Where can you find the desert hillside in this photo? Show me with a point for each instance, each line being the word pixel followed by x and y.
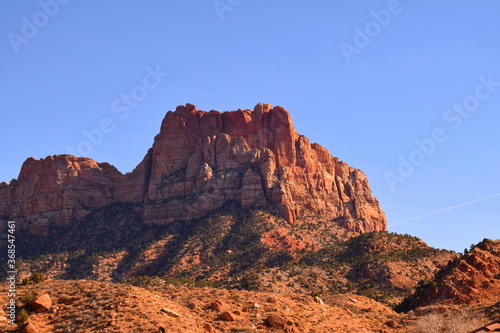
pixel 252 250
pixel 89 306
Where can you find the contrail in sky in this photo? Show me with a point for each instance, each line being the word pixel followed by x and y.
pixel 446 209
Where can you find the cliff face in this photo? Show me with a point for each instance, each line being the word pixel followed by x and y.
pixel 52 192
pixel 200 161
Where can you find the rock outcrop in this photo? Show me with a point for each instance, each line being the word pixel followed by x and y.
pixel 40 304
pixel 199 162
pixel 52 192
pixel 474 278
pixel 470 279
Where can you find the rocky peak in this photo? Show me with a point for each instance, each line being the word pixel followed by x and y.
pixel 200 161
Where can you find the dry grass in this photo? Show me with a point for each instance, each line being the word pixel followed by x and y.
pixel 455 322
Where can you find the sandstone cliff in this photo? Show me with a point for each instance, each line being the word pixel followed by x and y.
pixel 200 161
pixel 56 190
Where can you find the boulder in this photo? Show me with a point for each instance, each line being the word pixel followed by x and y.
pixel 277 321
pixel 318 300
pixel 170 313
pixel 227 316
pixel 209 328
pixel 218 305
pixel 40 304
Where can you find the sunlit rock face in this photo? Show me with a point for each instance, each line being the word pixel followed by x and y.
pixel 200 161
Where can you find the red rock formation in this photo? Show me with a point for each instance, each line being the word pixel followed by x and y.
pixel 200 161
pixel 52 192
pixel 474 278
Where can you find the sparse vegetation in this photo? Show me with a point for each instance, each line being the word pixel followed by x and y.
pixel 225 249
pixel 453 275
pixel 224 252
pixel 38 277
pixel 28 296
pixel 155 281
pixel 22 317
pixel 460 322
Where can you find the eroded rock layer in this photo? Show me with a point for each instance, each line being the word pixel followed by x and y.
pixel 200 161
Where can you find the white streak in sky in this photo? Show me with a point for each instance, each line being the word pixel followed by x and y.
pixel 446 209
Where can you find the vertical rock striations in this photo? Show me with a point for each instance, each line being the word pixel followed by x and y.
pixel 200 161
pixel 51 192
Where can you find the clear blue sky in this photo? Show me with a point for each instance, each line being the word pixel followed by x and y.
pixel 364 80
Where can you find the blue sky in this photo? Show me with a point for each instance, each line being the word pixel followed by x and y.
pixel 407 91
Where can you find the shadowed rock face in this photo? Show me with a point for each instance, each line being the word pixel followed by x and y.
pixel 200 161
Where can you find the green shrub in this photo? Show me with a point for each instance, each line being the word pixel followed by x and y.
pixel 29 295
pixel 250 281
pixel 38 277
pixel 26 281
pixel 22 317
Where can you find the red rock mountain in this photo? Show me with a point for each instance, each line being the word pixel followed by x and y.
pixel 200 161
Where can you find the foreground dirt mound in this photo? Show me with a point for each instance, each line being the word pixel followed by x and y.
pixel 86 306
pixel 80 306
